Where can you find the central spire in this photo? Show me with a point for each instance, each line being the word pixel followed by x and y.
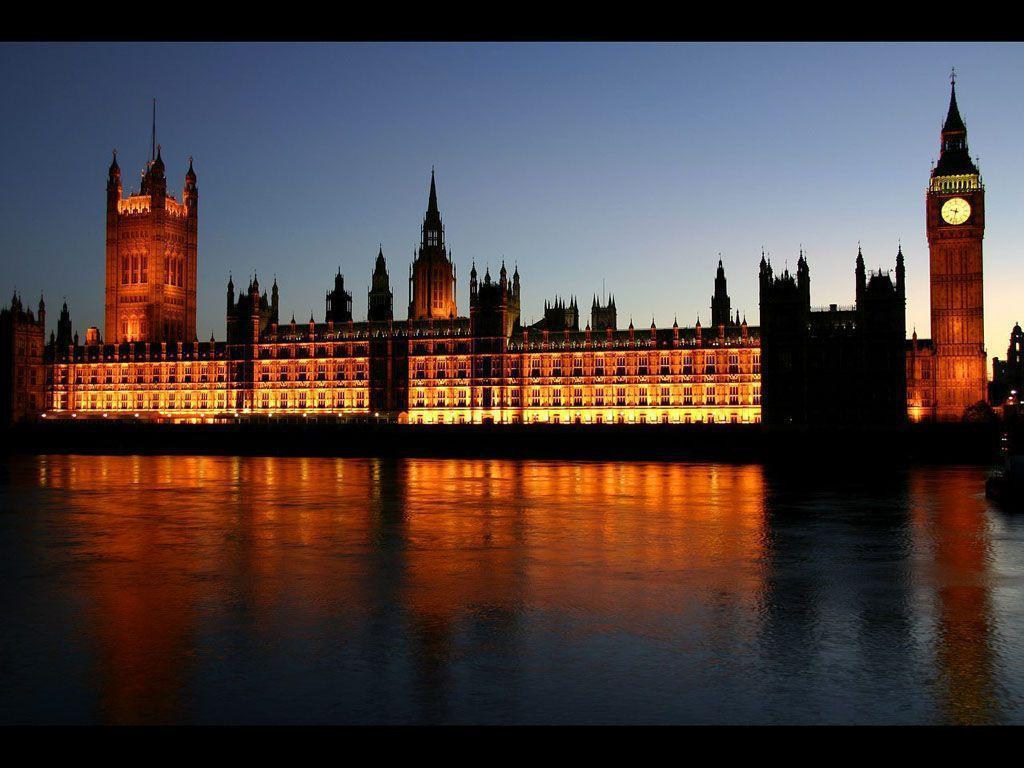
pixel 432 201
pixel 433 231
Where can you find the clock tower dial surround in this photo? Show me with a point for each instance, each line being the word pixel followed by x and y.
pixel 955 210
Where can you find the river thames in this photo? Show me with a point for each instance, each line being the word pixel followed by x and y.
pixel 287 590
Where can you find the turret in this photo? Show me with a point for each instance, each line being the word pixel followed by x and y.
pixel 190 193
pixel 901 273
pixel 154 180
pixel 764 276
pixel 64 327
pixel 339 301
pixel 720 301
pixel 113 184
pixel 861 276
pixel 379 299
pixel 803 281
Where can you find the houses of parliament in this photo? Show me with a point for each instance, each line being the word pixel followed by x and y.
pixel 802 365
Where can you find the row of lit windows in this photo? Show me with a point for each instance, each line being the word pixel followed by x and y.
pixel 585 397
pixel 319 398
pixel 313 371
pixel 293 350
pixel 144 401
pixel 154 373
pixel 570 417
pixel 537 366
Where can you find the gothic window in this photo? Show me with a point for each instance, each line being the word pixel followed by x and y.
pixel 135 269
pixel 124 270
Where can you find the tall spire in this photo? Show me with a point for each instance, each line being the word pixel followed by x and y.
pixel 954 155
pixel 953 120
pixel 432 202
pixel 433 231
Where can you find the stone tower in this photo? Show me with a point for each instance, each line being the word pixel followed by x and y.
pixel 955 210
pixel 432 274
pixel 151 256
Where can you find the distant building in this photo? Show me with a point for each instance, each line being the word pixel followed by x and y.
pixel 22 370
pixel 1008 374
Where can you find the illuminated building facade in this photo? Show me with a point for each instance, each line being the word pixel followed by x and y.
pixel 821 366
pixel 436 367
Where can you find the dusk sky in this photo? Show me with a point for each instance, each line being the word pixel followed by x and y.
pixel 627 166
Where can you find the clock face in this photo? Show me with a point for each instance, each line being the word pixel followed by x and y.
pixel 956 210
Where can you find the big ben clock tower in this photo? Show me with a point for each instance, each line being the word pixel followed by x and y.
pixel 956 225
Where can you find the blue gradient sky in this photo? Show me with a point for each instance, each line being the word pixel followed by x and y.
pixel 627 165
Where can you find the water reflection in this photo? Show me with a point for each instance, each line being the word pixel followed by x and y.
pixel 225 589
pixel 958 539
